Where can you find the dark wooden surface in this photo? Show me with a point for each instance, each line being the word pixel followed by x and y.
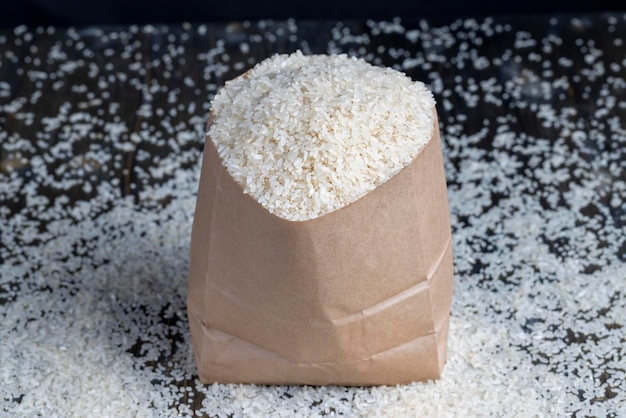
pixel 115 12
pixel 532 114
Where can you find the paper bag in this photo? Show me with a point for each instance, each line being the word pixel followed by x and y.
pixel 360 296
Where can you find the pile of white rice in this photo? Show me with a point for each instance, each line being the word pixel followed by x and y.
pixel 308 134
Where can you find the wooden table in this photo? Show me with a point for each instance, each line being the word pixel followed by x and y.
pixel 101 132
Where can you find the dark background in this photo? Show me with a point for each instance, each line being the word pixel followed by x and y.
pixel 85 12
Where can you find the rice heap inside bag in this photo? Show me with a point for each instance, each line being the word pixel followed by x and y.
pixel 321 245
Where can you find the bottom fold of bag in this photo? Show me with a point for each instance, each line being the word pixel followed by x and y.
pixel 225 358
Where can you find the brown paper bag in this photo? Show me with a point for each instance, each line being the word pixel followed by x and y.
pixel 360 296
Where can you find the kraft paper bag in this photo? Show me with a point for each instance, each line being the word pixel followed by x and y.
pixel 359 296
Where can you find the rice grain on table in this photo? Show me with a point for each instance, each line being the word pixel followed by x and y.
pixel 305 135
